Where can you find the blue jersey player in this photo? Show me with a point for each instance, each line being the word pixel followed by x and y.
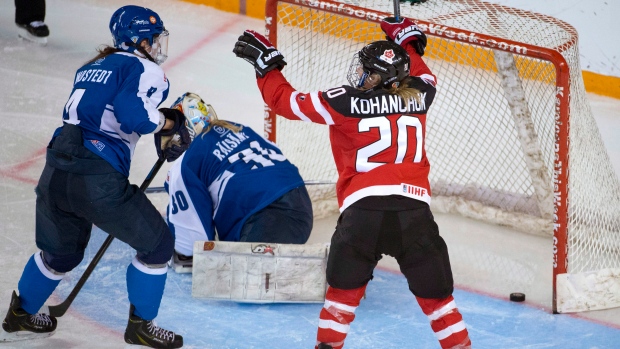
pixel 232 183
pixel 85 180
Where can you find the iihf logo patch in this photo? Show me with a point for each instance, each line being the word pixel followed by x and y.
pixel 99 145
pixel 388 56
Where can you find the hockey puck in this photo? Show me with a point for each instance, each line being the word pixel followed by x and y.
pixel 517 297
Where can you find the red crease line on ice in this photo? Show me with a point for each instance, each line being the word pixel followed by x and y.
pixel 15 171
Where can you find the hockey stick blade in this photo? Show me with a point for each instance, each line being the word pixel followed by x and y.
pixel 60 309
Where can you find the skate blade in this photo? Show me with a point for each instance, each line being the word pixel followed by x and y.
pixel 21 335
pixel 25 35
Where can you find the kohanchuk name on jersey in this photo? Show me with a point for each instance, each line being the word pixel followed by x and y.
pixel 387 104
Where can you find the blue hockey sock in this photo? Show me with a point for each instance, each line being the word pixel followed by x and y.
pixel 145 287
pixel 36 284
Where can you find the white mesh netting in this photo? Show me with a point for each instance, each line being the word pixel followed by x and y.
pixel 491 134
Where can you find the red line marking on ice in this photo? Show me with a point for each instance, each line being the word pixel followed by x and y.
pixel 203 42
pixel 14 171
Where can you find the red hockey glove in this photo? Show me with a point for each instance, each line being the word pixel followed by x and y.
pixel 404 32
pixel 257 50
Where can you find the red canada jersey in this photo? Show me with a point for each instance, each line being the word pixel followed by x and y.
pixel 377 138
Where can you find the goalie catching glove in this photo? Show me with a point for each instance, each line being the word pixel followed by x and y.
pixel 170 144
pixel 257 50
pixel 403 32
pixel 190 115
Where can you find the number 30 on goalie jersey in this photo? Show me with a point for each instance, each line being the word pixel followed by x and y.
pixel 224 178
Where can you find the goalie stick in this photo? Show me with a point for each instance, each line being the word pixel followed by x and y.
pixel 60 309
pixel 163 190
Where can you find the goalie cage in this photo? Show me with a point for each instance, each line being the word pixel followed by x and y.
pixel 511 137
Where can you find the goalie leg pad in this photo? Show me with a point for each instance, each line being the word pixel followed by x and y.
pixel 259 272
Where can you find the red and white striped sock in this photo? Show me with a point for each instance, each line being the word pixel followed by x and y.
pixel 337 314
pixel 446 322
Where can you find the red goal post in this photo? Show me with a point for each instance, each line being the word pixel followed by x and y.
pixel 510 103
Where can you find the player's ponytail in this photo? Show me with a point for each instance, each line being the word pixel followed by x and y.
pixel 102 52
pixel 405 92
pixel 222 123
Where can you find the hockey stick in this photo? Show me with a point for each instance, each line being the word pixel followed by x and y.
pixel 60 309
pixel 163 190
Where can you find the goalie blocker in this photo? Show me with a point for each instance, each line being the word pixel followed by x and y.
pixel 260 272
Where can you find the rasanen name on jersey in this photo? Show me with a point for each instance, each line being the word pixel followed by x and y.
pixel 387 104
pixel 229 142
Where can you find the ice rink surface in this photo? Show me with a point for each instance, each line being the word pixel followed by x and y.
pixel 36 82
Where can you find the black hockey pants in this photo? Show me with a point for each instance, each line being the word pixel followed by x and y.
pixel 77 189
pixel 397 226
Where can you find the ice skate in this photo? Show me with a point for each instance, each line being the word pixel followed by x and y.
pixel 19 325
pixel 140 332
pixel 36 31
pixel 181 263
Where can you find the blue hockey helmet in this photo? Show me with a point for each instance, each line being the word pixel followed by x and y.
pixel 131 25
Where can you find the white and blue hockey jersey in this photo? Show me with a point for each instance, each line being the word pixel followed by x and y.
pixel 223 179
pixel 114 100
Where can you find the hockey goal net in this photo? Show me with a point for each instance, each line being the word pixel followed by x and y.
pixel 510 135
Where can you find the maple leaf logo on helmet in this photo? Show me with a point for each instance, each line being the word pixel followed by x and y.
pixel 388 56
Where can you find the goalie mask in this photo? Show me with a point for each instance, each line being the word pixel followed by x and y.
pixel 132 25
pixel 198 114
pixel 381 59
